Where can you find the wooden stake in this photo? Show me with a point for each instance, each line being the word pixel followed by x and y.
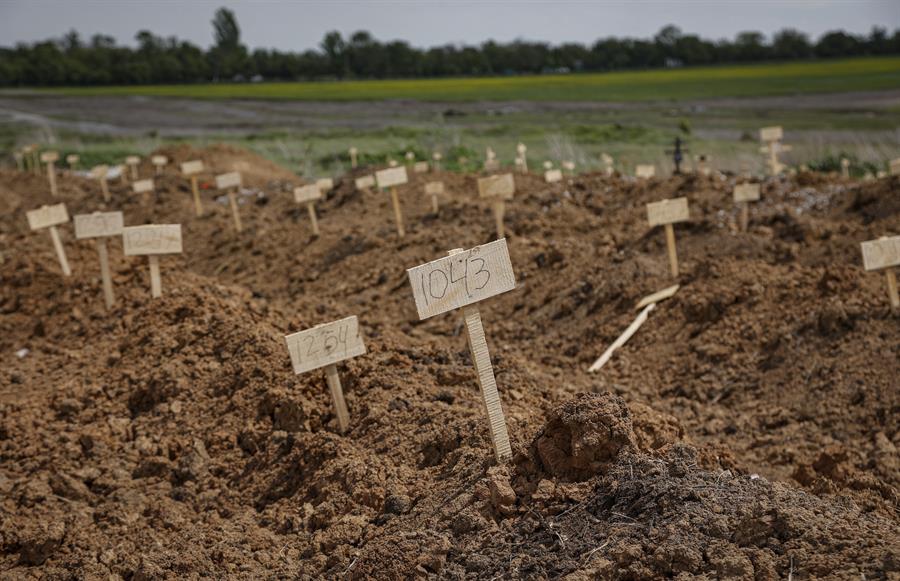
pixel 337 396
pixel 484 370
pixel 670 244
pixel 134 172
pixel 892 288
pixel 434 203
pixel 198 205
pixel 315 224
pixel 398 214
pixel 155 279
pixel 353 157
pixel 51 175
pixel 499 211
pixel 104 188
pixel 105 275
pixel 60 251
pixel 232 201
pixel 745 216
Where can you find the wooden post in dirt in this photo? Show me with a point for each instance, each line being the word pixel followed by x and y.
pixel 434 189
pixel 436 161
pixel 72 161
pixel 490 160
pixel 365 183
pixel 353 152
pixel 667 213
pixel 101 225
pixel 132 161
pixel 231 183
pixel 192 169
pixel 521 153
pixel 771 137
pixel 391 178
pixel 420 167
pixel 461 280
pixel 151 241
pixel 743 195
pixel 50 217
pixel 607 164
pixel 569 166
pixel 884 254
pixel 845 167
pixel 98 172
pixel 145 188
pixel 308 195
pixel 159 162
pixel 50 158
pixel 645 171
pixel 498 189
pixel 325 185
pixel 325 346
pixel 553 175
pixel 410 160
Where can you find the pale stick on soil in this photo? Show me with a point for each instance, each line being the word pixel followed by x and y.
pixel 845 167
pixel 324 346
pixel 101 225
pixel 666 213
pixel 658 296
pixel 434 189
pixel 391 178
pixel 191 169
pixel 50 217
pixel 50 157
pixel 132 162
pixel 743 195
pixel 231 182
pixel 151 241
pixel 99 172
pixel 486 271
pixel 308 195
pixel 353 152
pixel 884 253
pixel 498 189
pixel 159 162
pixel 631 330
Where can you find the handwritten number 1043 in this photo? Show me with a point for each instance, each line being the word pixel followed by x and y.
pixel 471 272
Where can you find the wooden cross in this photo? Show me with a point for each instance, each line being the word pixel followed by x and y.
pixel 884 254
pixel 231 183
pixel 101 225
pixel 51 217
pixel 152 240
pixel 461 280
pixel 771 137
pixel 192 169
pixel 668 212
pixel 325 346
pixel 50 158
pixel 743 195
pixel 391 178
pixel 308 195
pixel 498 189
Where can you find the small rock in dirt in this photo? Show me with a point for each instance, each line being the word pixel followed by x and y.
pixel 396 504
pixel 502 494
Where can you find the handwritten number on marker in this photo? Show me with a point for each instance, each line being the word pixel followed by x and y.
pixel 437 282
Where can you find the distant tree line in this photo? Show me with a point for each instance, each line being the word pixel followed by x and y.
pixel 99 61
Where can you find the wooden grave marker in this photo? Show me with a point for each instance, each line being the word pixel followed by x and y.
pixel 667 213
pixel 884 254
pixel 325 185
pixel 353 152
pixel 35 159
pixel 308 195
pixel 101 225
pixel 607 163
pixel 743 195
pixel 325 346
pixel 771 137
pixel 461 280
pixel 436 157
pixel 152 240
pixel 365 183
pixel 231 183
pixel 72 161
pixel 845 167
pixel 420 167
pixel 51 217
pixel 645 170
pixel 98 172
pixel 548 165
pixel 569 166
pixel 132 161
pixel 895 167
pixel 192 169
pixel 498 189
pixel 159 162
pixel 145 188
pixel 434 189
pixel 553 175
pixel 50 158
pixel 521 153
pixel 391 178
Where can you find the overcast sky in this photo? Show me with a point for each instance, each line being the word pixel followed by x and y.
pixel 299 25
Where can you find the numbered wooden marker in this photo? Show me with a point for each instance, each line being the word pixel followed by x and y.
pixel 845 167
pixel 743 194
pixel 50 158
pixel 353 151
pixel 391 178
pixel 436 157
pixel 420 167
pixel 145 188
pixel 325 346
pixel 159 162
pixel 101 225
pixel 191 169
pixel 365 183
pixel 51 217
pixel 895 167
pixel 151 241
pixel 521 152
pixel 668 212
pixel 645 171
pixel 491 165
pixel 884 253
pixel 461 280
pixel 231 183
pixel 569 166
pixel 434 189
pixel 498 189
pixel 553 175
pixel 98 172
pixel 72 161
pixel 308 195
pixel 607 163
pixel 775 133
pixel 132 161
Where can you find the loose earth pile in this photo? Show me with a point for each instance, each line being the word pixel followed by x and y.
pixel 749 430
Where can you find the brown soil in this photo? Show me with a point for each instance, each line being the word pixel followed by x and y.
pixel 749 430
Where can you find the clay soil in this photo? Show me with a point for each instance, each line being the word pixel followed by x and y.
pixel 749 430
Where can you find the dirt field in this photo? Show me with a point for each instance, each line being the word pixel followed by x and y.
pixel 749 430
